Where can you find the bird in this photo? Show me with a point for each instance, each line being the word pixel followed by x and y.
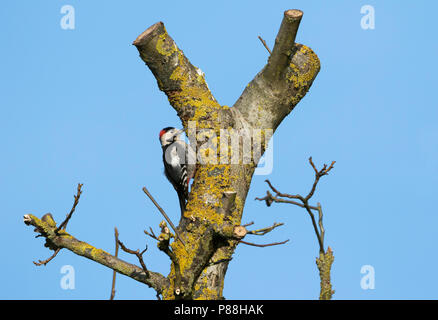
pixel 177 168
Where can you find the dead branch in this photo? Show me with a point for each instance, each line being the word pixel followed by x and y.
pixel 49 219
pixel 326 258
pixel 269 199
pixel 263 231
pixel 265 45
pixel 116 253
pixel 263 245
pixel 62 239
pixel 63 225
pixel 136 253
pixel 163 214
pixel 151 234
pixel 44 262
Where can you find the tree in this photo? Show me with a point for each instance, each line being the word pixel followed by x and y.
pixel 210 228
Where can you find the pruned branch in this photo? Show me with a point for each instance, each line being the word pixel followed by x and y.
pixel 324 264
pixel 163 245
pixel 62 239
pixel 284 81
pixel 284 43
pixel 239 232
pixel 184 84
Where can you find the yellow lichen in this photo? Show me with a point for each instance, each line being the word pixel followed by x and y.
pixel 301 78
pixel 163 46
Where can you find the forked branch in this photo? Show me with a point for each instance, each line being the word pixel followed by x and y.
pixel 326 258
pixel 57 238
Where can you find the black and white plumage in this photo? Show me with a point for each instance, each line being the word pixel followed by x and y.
pixel 177 168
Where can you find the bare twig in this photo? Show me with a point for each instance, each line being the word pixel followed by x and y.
pixel 265 45
pixel 137 253
pixel 163 213
pixel 248 224
pixel 151 234
pixel 49 219
pixel 270 199
pixel 263 231
pixel 113 287
pixel 44 262
pixel 320 215
pixel 263 245
pixel 304 201
pixel 318 174
pixel 63 225
pixel 325 260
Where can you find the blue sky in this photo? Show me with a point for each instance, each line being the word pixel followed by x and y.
pixel 80 106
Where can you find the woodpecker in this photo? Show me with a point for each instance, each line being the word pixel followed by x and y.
pixel 176 167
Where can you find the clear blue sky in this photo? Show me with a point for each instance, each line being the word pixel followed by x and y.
pixel 80 106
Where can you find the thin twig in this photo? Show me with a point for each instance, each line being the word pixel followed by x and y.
pixel 113 287
pixel 137 253
pixel 151 234
pixel 321 226
pixel 318 174
pixel 265 45
pixel 248 224
pixel 163 213
pixel 317 232
pixel 263 231
pixel 63 225
pixel 270 198
pixel 263 245
pixel 219 261
pixel 320 233
pixel 44 262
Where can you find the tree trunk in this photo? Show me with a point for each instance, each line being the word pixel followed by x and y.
pixel 220 187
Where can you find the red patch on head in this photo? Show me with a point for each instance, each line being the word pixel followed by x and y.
pixel 162 132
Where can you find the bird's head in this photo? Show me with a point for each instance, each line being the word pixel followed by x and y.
pixel 168 135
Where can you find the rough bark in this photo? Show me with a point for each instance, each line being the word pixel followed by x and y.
pixel 324 263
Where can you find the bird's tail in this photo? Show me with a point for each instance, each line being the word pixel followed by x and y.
pixel 182 202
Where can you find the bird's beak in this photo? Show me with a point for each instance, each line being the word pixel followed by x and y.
pixel 179 132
